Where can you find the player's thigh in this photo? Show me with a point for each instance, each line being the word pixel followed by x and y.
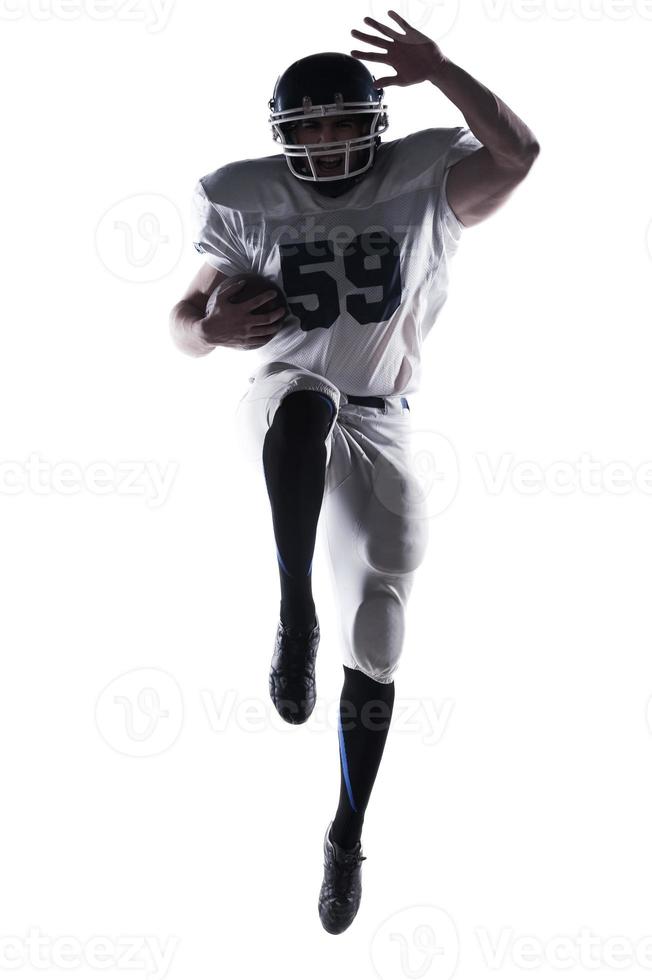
pixel 257 408
pixel 376 532
pixel 374 505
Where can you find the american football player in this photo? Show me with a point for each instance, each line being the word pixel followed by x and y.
pixel 359 233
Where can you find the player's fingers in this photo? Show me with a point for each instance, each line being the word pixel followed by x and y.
pixel 258 338
pixel 400 21
pixel 232 287
pixel 262 332
pixel 384 82
pixel 369 56
pixel 370 39
pixel 387 31
pixel 265 319
pixel 260 300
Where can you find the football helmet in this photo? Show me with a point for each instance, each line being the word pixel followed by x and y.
pixel 322 85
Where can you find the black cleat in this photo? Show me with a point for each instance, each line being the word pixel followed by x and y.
pixel 292 673
pixel 341 889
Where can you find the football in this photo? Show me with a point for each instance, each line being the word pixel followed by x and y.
pixel 254 285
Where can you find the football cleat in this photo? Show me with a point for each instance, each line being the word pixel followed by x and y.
pixel 292 673
pixel 341 889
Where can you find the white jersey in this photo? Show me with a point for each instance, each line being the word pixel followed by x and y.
pixel 365 274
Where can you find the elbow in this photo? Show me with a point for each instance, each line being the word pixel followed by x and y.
pixel 519 158
pixel 523 159
pixel 531 152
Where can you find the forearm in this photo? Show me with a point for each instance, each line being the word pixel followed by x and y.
pixel 186 333
pixel 493 123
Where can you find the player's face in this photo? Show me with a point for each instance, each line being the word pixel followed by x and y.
pixel 333 129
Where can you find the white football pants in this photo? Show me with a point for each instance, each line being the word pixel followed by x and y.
pixel 373 519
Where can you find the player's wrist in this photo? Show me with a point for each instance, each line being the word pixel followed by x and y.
pixel 185 324
pixel 439 70
pixel 200 334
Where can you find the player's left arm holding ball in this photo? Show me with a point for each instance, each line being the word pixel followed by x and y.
pixel 481 182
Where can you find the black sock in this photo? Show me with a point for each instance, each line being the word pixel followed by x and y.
pixel 363 722
pixel 294 461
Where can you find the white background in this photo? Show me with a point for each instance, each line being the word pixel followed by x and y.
pixel 152 804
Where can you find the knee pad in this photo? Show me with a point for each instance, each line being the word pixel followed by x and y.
pixel 304 414
pixel 378 634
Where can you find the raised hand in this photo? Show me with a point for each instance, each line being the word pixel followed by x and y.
pixel 414 57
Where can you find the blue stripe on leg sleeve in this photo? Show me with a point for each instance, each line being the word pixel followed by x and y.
pixel 282 563
pixel 345 766
pixel 329 400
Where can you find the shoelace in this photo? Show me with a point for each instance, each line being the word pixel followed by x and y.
pixel 340 889
pixel 294 635
pixel 294 671
pixel 348 862
pixel 296 661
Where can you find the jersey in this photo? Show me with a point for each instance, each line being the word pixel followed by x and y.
pixel 365 273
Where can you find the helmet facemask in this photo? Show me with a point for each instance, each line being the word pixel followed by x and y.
pixel 302 157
